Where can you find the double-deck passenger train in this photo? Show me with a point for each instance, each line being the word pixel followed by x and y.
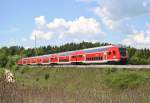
pixel 98 55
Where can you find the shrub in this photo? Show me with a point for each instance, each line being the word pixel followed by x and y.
pixel 37 79
pixel 1 72
pixel 137 60
pixel 124 80
pixel 109 70
pixel 46 76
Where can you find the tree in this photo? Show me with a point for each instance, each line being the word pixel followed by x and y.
pixel 3 57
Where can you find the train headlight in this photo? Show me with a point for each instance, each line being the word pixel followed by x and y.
pixel 114 57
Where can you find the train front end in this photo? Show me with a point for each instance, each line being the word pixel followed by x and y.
pixel 123 55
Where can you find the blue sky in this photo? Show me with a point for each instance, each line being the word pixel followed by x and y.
pixel 57 22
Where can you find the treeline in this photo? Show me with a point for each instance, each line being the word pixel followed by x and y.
pixel 9 56
pixel 139 56
pixel 56 49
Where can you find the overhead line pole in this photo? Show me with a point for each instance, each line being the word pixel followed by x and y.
pixel 35 44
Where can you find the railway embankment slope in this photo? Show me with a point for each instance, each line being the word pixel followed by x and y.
pixel 81 85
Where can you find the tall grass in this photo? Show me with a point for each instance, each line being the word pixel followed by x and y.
pixel 75 85
pixel 126 79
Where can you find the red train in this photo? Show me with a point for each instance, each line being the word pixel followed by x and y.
pixel 99 55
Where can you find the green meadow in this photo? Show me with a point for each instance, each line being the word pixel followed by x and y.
pixel 76 85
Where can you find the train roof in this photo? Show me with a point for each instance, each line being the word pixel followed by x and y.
pixel 95 49
pixel 102 48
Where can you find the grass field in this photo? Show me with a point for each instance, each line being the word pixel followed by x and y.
pixel 76 85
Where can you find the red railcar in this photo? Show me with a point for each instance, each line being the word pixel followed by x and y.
pixel 105 54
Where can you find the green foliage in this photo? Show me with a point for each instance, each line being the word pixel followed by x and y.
pixel 12 61
pixel 139 56
pixel 70 83
pixel 76 78
pixel 148 99
pixel 9 56
pixel 46 76
pixel 3 57
pixel 124 79
pixel 1 72
pixel 37 79
pixel 137 60
pixel 109 70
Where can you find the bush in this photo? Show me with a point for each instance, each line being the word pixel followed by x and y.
pixel 37 79
pixel 1 72
pixel 123 80
pixel 109 70
pixel 136 60
pixel 46 76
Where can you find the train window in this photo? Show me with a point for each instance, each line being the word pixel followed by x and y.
pixel 91 58
pixel 95 50
pixel 102 49
pixel 109 53
pixel 80 56
pixel 73 56
pixel 101 58
pixel 114 52
pixel 97 58
pixel 64 60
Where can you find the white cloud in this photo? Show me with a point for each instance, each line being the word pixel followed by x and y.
pixel 104 14
pixel 40 21
pixel 41 29
pixel 81 28
pixel 84 26
pixel 112 12
pixel 139 39
pixel 58 24
pixel 41 35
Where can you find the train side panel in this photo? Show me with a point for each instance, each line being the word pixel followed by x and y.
pixel 106 54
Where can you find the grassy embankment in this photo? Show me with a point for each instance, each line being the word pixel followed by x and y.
pixel 79 85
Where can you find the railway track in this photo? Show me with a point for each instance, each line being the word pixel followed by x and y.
pixel 131 67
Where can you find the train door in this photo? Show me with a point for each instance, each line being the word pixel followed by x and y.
pixel 105 54
pixel 54 59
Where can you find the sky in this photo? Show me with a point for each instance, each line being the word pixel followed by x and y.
pixel 56 22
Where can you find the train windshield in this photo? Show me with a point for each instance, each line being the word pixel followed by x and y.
pixel 123 51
